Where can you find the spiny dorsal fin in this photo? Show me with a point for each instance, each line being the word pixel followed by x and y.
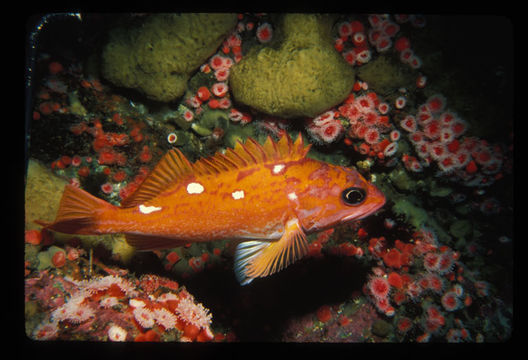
pixel 284 149
pixel 271 148
pixel 252 153
pixel 174 165
pixel 285 146
pixel 253 147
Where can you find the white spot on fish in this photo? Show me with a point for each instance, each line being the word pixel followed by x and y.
pixel 292 196
pixel 195 188
pixel 148 209
pixel 278 168
pixel 237 195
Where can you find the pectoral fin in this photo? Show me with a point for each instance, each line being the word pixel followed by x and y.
pixel 262 258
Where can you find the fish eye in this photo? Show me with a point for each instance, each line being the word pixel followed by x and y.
pixel 353 196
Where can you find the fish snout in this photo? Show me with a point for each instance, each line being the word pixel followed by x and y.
pixel 373 202
pixel 375 199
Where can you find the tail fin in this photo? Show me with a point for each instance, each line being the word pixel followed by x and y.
pixel 77 213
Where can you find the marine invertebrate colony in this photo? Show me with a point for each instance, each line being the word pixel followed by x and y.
pixel 115 308
pixel 436 134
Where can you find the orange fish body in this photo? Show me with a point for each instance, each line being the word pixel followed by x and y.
pixel 266 196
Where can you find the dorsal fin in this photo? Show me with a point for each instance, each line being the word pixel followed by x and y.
pixel 171 168
pixel 286 149
pixel 253 153
pixel 174 166
pixel 299 150
pixel 271 148
pixel 256 149
pixel 285 146
pixel 245 153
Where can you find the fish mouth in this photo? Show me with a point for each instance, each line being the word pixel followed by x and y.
pixel 367 212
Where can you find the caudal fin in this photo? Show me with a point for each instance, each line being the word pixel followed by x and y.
pixel 78 211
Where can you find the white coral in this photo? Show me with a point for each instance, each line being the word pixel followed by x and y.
pixel 165 318
pixel 193 313
pixel 116 333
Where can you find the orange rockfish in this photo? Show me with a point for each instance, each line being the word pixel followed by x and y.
pixel 266 197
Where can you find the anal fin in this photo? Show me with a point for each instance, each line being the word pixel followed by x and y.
pixel 152 242
pixel 262 258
